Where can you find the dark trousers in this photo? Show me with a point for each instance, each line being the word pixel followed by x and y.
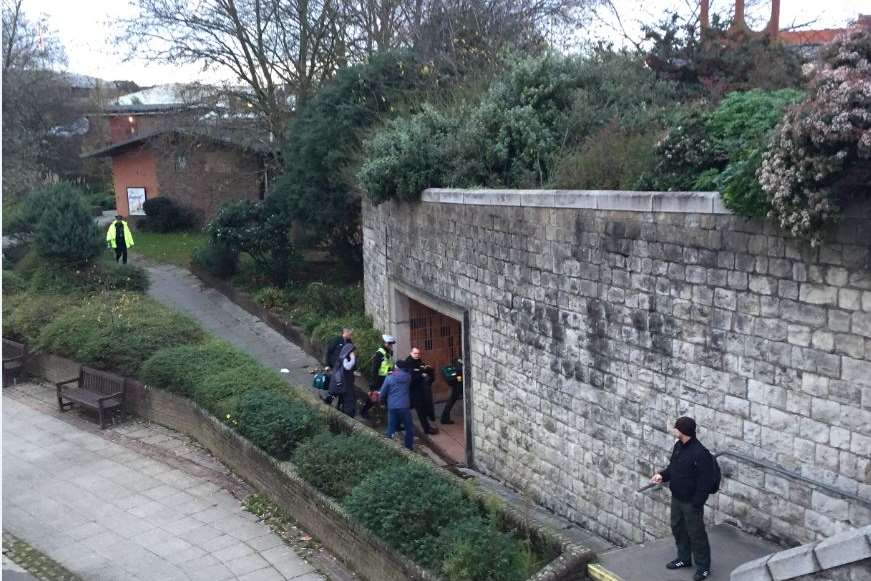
pixel 688 528
pixel 397 417
pixel 121 253
pixel 456 394
pixel 348 404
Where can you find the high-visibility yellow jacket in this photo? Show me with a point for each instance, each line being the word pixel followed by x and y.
pixel 110 234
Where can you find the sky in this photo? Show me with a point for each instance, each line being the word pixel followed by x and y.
pixel 87 33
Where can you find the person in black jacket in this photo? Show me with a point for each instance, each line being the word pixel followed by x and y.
pixel 690 474
pixel 334 349
pixel 421 389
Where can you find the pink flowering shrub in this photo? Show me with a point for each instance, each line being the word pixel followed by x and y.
pixel 820 156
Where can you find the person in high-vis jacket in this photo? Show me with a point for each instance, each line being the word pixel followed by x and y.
pixel 119 238
pixel 382 365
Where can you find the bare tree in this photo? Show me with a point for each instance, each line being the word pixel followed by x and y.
pixel 36 99
pixel 280 50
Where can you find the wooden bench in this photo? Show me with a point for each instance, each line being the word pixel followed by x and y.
pixel 98 390
pixel 14 354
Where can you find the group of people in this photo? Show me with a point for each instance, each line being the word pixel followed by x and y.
pixel 692 472
pixel 401 386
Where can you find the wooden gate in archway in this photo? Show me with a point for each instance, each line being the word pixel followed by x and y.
pixel 439 337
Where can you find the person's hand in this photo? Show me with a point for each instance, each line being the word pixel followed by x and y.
pixel 656 478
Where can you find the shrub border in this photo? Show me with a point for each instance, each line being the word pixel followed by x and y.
pixel 320 515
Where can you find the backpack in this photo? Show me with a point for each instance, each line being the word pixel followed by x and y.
pixel 321 381
pixel 718 476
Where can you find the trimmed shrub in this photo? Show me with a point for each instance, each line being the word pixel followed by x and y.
pixel 117 331
pixel 407 506
pixel 219 392
pixel 276 421
pixel 181 369
pixel 217 259
pixel 166 215
pixel 26 315
pixel 66 231
pixel 336 463
pixel 475 550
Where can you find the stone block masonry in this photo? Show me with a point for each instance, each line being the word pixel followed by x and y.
pixel 597 318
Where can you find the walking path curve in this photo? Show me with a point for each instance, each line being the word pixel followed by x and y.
pixel 179 289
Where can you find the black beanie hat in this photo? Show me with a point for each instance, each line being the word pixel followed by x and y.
pixel 686 426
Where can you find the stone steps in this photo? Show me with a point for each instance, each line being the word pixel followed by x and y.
pixel 729 549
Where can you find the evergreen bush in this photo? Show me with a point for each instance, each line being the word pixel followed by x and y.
pixel 116 331
pixel 475 550
pixel 276 421
pixel 164 214
pixel 180 369
pixel 219 392
pixel 217 259
pixel 336 463
pixel 66 232
pixel 407 506
pixel 25 315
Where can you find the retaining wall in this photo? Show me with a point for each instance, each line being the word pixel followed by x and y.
pixel 597 318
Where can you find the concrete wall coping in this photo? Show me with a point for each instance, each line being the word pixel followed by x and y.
pixel 673 202
pixel 842 549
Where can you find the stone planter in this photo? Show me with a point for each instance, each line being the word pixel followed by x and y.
pixel 279 481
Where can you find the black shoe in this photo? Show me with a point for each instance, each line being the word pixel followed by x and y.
pixel 679 564
pixel 701 574
pixel 447 421
pixel 432 431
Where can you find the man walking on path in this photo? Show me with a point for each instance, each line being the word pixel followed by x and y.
pixel 382 364
pixel 395 394
pixel 119 238
pixel 690 474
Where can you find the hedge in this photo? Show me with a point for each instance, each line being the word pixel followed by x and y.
pixel 26 315
pixel 117 331
pixel 277 422
pixel 219 392
pixel 180 369
pixel 336 463
pixel 407 507
pixel 410 505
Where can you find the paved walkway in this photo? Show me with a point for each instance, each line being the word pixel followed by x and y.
pixel 133 502
pixel 179 289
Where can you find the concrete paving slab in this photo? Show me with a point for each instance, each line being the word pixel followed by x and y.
pixel 100 519
pixel 729 549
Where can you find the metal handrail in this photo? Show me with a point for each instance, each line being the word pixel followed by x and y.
pixel 784 472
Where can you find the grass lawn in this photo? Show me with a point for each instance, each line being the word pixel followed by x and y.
pixel 172 248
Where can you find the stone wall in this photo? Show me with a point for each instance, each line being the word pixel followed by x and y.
pixel 597 318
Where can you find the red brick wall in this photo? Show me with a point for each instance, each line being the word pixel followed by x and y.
pixel 120 126
pixel 210 175
pixel 135 168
